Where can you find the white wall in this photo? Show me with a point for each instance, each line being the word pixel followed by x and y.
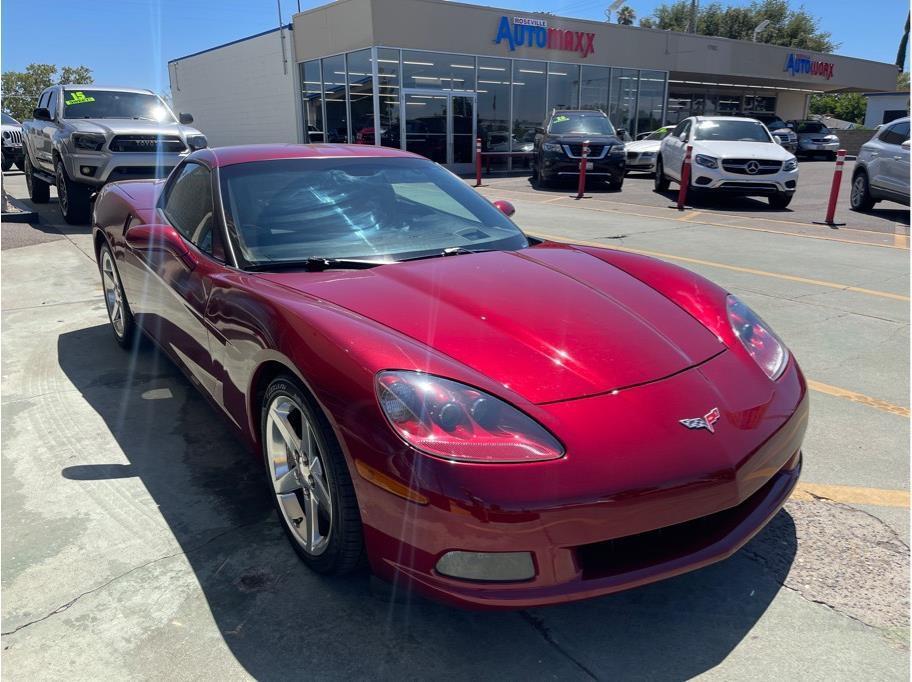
pixel 791 106
pixel 238 94
pixel 878 104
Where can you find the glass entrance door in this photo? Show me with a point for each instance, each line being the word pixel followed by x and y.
pixel 440 126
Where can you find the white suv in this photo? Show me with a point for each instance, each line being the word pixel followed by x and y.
pixel 730 155
pixel 882 168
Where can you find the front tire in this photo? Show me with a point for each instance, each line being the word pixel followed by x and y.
pixel 39 191
pixel 72 197
pixel 661 182
pixel 781 200
pixel 7 163
pixel 860 198
pixel 119 314
pixel 308 477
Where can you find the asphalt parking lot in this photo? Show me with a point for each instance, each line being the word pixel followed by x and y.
pixel 139 541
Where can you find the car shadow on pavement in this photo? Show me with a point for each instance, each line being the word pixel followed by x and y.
pixel 280 620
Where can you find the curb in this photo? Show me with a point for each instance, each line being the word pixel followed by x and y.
pixel 20 214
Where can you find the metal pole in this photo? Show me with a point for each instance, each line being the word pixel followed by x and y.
pixel 834 188
pixel 282 34
pixel 478 162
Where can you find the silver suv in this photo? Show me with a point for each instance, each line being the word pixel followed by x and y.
pixel 83 136
pixel 882 167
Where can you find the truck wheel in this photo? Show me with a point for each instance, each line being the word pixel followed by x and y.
pixel 860 198
pixel 72 197
pixel 39 191
pixel 7 163
pixel 661 181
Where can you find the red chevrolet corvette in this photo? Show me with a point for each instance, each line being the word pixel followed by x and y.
pixel 489 418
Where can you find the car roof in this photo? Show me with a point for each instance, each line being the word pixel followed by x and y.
pixel 700 119
pixel 229 156
pixel 590 112
pixel 92 86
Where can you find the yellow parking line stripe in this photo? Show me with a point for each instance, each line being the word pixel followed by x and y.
pixel 688 216
pixel 737 268
pixel 852 495
pixel 876 403
pixel 900 238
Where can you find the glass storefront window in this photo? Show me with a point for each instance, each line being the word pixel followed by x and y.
pixel 334 92
pixel 529 84
pixel 388 87
pixel 438 71
pixel 651 101
pixel 361 96
pixel 494 106
pixel 596 84
pixel 312 97
pixel 622 107
pixel 563 86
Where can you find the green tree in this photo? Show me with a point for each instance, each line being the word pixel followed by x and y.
pixel 626 15
pixel 788 27
pixel 20 89
pixel 902 81
pixel 846 106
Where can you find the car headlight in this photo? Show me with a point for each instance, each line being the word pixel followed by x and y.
pixel 90 141
pixel 618 150
pixel 758 339
pixel 647 155
pixel 6 134
pixel 448 419
pixel 790 165
pixel 197 141
pixel 707 161
pixel 551 147
pixel 831 138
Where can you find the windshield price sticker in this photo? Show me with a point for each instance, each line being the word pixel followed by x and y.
pixel 561 119
pixel 78 98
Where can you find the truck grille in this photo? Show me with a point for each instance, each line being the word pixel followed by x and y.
pixel 15 136
pixel 576 150
pixel 168 144
pixel 744 166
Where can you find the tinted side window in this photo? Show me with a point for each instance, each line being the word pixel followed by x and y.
pixel 896 134
pixel 43 100
pixel 52 104
pixel 679 129
pixel 188 206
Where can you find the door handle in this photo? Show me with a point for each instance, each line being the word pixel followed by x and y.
pixel 898 158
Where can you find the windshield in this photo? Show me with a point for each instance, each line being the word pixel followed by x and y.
pixel 812 127
pixel 9 120
pixel 113 104
pixel 376 209
pixel 741 131
pixel 592 124
pixel 659 134
pixel 772 122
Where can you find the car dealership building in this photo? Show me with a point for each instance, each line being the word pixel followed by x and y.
pixel 430 76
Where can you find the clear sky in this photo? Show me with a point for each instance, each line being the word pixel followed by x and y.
pixel 129 42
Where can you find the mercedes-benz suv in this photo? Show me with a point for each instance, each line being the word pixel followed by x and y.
pixel 558 148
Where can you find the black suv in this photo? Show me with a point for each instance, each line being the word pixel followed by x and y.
pixel 559 146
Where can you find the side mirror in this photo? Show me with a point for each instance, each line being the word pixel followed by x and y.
pixel 185 119
pixel 621 132
pixel 42 114
pixel 153 237
pixel 905 145
pixel 505 207
pixel 539 131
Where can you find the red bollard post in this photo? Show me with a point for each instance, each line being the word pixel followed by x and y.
pixel 478 162
pixel 582 171
pixel 834 188
pixel 685 178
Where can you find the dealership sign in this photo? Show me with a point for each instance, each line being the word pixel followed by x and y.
pixel 535 33
pixel 798 64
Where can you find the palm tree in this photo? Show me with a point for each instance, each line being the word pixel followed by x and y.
pixel 626 15
pixel 903 44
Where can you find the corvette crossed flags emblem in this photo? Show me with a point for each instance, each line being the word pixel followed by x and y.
pixel 704 422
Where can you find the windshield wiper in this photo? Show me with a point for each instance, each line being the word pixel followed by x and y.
pixel 315 264
pixel 451 251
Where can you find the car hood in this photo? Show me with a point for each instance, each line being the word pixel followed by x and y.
pixel 122 126
pixel 742 150
pixel 643 146
pixel 579 139
pixel 7 127
pixel 549 322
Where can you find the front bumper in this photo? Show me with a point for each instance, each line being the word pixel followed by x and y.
pixel 557 165
pixel 643 162
pixel 720 180
pixel 818 146
pixel 99 168
pixel 13 152
pixel 616 512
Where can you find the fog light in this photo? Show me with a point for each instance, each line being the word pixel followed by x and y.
pixel 488 566
pixel 702 180
pixel 88 170
pixel 790 184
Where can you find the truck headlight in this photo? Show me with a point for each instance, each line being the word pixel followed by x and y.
pixel 706 161
pixel 618 150
pixel 551 147
pixel 197 142
pixel 92 142
pixel 790 165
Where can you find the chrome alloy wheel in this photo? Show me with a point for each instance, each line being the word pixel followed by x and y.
pixel 858 191
pixel 298 476
pixel 113 292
